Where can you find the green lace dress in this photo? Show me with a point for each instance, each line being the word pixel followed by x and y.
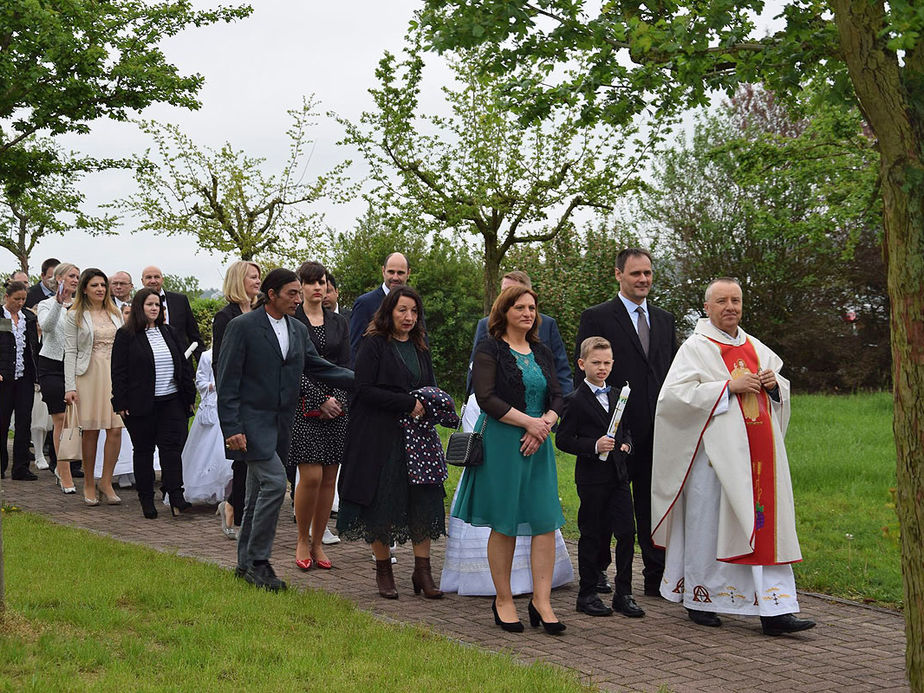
pixel 512 494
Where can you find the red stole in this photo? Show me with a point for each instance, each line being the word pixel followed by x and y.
pixel 755 408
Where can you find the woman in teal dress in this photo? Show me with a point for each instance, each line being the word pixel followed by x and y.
pixel 515 491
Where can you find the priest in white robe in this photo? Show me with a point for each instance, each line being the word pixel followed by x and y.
pixel 722 502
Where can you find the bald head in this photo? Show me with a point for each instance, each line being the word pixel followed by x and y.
pixel 152 278
pixel 395 271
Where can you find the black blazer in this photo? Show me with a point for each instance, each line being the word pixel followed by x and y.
pixel 8 348
pixel 219 324
pixel 382 397
pixel 645 375
pixel 133 372
pixel 336 336
pixel 582 424
pixel 35 295
pixel 363 309
pixel 183 321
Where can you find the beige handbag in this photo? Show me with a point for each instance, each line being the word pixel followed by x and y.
pixel 70 448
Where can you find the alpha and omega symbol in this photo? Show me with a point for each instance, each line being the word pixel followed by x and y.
pixel 701 594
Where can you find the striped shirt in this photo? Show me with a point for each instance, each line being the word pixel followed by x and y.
pixel 164 383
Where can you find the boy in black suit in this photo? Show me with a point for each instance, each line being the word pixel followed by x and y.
pixel 602 485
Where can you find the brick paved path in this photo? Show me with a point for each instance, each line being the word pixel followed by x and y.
pixel 853 648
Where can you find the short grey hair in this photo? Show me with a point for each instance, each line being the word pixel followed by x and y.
pixel 719 280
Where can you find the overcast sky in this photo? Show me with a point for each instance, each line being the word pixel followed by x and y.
pixel 255 70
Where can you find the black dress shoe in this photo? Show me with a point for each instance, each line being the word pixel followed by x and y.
pixel 263 576
pixel 625 604
pixel 593 606
pixel 509 626
pixel 240 572
pixel 603 585
pixel 76 472
pixel 704 618
pixel 535 620
pixel 785 623
pixel 23 476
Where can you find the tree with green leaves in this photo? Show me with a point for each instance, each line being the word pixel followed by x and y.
pixel 477 170
pixel 786 205
pixel 617 58
pixel 50 205
pixel 224 199
pixel 65 64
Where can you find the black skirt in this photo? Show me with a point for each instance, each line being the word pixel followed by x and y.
pixel 51 380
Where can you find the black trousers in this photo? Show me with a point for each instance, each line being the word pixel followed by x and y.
pixel 640 476
pixel 16 396
pixel 605 512
pixel 165 428
pixel 238 495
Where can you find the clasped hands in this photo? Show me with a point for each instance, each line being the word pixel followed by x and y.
pixel 753 382
pixel 537 430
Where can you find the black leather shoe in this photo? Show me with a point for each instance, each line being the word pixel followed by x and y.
pixel 785 623
pixel 593 606
pixel 23 476
pixel 240 572
pixel 704 618
pixel 603 585
pixel 263 576
pixel 76 472
pixel 625 604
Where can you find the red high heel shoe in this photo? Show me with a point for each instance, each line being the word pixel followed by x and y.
pixel 303 563
pixel 325 565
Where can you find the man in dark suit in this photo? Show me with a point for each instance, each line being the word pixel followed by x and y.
pixel 644 341
pixel 177 311
pixel 395 272
pixel 259 372
pixel 332 297
pixel 548 335
pixel 45 287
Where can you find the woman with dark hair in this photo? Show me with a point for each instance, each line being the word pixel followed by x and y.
pixel 378 503
pixel 89 331
pixel 18 346
pixel 153 390
pixel 241 288
pixel 51 312
pixel 320 424
pixel 515 491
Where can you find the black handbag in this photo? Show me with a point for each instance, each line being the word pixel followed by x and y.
pixel 466 449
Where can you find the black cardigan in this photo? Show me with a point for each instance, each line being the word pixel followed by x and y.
pixel 498 382
pixel 8 349
pixel 382 397
pixel 133 372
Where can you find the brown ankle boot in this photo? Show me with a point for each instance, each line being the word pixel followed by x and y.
pixel 384 579
pixel 423 580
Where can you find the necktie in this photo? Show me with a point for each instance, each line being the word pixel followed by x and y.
pixel 644 334
pixel 602 390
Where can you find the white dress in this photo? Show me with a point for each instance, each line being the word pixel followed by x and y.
pixel 206 471
pixel 465 567
pixel 124 464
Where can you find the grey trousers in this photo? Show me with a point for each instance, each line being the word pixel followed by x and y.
pixel 266 489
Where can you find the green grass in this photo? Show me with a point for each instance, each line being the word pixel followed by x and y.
pixel 842 459
pixel 87 612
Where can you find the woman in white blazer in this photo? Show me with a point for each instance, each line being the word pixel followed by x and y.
pixel 89 332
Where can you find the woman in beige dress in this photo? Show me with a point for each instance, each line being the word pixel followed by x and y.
pixel 90 330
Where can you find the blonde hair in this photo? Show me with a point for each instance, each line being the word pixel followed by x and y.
pixel 591 343
pixel 63 268
pixel 233 286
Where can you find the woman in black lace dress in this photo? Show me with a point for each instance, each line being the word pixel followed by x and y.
pixel 320 424
pixel 378 503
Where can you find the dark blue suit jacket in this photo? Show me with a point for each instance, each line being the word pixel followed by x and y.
pixel 548 335
pixel 363 309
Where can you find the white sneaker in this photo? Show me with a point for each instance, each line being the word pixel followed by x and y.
pixel 329 537
pixel 41 463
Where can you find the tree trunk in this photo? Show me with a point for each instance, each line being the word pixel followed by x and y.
pixel 877 79
pixel 492 261
pixel 23 261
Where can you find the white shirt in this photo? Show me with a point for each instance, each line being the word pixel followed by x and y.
pixel 282 333
pixel 602 397
pixel 632 307
pixel 163 299
pixel 385 288
pixel 19 334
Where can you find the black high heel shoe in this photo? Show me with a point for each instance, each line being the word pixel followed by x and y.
pixel 178 503
pixel 509 626
pixel 535 618
pixel 148 509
